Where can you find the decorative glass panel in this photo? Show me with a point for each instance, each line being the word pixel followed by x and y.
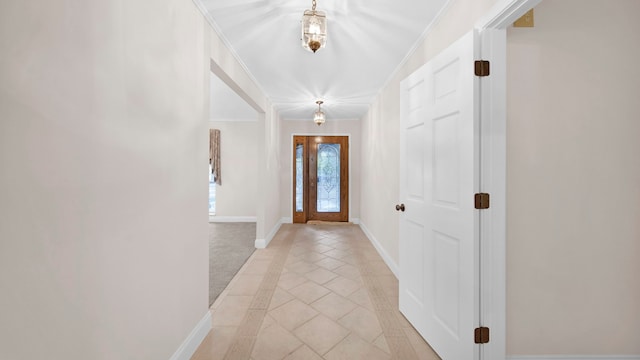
pixel 299 177
pixel 328 189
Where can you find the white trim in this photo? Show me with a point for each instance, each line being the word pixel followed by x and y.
pixel 287 220
pixel 492 181
pixel 383 253
pixel 228 219
pixel 492 31
pixel 436 19
pixel 263 243
pixel 214 26
pixel 191 343
pixel 574 357
pixel 503 14
pixel 355 221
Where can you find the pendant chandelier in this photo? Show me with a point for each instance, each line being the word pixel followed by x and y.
pixel 318 116
pixel 314 29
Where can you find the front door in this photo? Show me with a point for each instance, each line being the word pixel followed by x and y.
pixel 439 232
pixel 321 178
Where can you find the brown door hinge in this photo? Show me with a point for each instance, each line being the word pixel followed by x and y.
pixel 481 335
pixel 482 68
pixel 482 201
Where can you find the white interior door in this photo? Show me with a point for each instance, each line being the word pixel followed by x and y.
pixel 439 270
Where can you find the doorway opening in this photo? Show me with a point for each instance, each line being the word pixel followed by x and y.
pixel 321 178
pixel 233 207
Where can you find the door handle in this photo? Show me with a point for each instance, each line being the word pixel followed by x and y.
pixel 400 207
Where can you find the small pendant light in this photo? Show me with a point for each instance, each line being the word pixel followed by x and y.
pixel 318 116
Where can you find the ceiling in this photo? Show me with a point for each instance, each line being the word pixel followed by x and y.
pixel 366 42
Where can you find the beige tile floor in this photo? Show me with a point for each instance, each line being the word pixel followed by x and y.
pixel 317 292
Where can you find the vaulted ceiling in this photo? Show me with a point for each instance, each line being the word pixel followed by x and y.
pixel 366 42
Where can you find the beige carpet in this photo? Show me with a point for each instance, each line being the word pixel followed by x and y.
pixel 230 245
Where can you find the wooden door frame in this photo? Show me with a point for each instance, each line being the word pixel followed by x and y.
pixel 493 152
pixel 292 174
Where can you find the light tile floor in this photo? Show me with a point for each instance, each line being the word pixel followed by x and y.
pixel 317 292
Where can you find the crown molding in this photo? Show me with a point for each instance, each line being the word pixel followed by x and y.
pixel 414 48
pixel 214 26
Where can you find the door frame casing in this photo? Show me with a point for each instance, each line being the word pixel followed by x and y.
pixel 492 30
pixel 292 178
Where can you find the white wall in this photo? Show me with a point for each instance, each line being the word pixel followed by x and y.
pixel 308 127
pixel 573 180
pixel 269 174
pixel 237 195
pixel 226 105
pixel 103 151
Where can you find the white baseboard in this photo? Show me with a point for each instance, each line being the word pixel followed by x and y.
pixel 191 343
pixel 286 220
pixel 383 253
pixel 355 221
pixel 573 357
pixel 233 219
pixel 263 243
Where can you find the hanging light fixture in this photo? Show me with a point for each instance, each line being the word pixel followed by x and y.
pixel 314 29
pixel 318 116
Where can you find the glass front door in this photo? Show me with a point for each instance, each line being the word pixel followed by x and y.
pixel 321 189
pixel 328 175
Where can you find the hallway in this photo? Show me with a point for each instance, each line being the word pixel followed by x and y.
pixel 316 292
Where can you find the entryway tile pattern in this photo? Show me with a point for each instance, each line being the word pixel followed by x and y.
pixel 317 292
